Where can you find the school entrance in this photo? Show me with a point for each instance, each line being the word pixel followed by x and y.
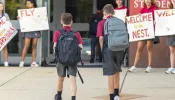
pixel 81 11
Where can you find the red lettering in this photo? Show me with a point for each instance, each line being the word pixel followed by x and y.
pixel 134 34
pixel 161 13
pixel 144 17
pixel 130 20
pixel 150 17
pixel 140 33
pixel 12 28
pixel 146 32
pixel 165 13
pixel 22 13
pixel 2 22
pixel 27 14
pixel 137 19
pixel 32 10
pixel 164 4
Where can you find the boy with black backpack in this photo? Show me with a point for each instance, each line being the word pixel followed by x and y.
pixel 113 38
pixel 68 45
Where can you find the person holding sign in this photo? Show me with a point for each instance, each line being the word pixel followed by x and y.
pixel 28 36
pixel 120 6
pixel 150 6
pixel 171 43
pixel 2 13
pixel 125 12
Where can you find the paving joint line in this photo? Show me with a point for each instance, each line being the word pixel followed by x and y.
pixel 15 77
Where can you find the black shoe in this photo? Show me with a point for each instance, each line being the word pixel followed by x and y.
pixel 56 97
pixel 91 61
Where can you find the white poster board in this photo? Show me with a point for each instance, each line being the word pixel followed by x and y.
pixel 7 32
pixel 140 27
pixel 121 14
pixel 165 22
pixel 33 19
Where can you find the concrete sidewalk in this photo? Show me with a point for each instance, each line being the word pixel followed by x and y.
pixel 41 84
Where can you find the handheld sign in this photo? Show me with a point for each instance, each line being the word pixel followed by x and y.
pixel 33 19
pixel 140 27
pixel 164 22
pixel 7 32
pixel 121 14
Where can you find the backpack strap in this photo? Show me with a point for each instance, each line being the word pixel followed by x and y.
pixel 61 30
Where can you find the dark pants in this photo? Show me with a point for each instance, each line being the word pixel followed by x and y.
pixel 94 42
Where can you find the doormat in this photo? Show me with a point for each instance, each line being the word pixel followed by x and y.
pixel 122 97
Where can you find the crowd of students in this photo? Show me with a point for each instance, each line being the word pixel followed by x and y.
pixel 111 59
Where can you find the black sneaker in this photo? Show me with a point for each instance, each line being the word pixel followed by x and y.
pixel 56 97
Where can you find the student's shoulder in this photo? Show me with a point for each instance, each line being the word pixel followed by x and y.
pixel 76 32
pixel 57 32
pixel 6 15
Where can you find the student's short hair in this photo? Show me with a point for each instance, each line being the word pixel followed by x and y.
pixel 66 18
pixel 108 9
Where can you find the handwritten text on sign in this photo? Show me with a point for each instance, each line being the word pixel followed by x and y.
pixel 164 22
pixel 33 19
pixel 136 5
pixel 140 27
pixel 7 32
pixel 121 14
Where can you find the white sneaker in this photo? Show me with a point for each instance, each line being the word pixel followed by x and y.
pixel 132 69
pixel 173 72
pixel 116 98
pixel 21 64
pixel 170 70
pixel 34 64
pixel 6 64
pixel 148 69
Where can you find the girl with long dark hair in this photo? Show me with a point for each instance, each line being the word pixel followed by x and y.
pixel 28 36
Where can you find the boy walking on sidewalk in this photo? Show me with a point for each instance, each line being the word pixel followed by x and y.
pixel 64 39
pixel 112 59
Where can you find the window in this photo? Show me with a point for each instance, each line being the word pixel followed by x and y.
pixel 51 11
pixel 102 3
pixel 13 46
pixel 12 6
pixel 84 34
pixel 81 10
pixel 51 41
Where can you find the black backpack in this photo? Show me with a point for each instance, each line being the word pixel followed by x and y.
pixel 67 49
pixel 94 23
